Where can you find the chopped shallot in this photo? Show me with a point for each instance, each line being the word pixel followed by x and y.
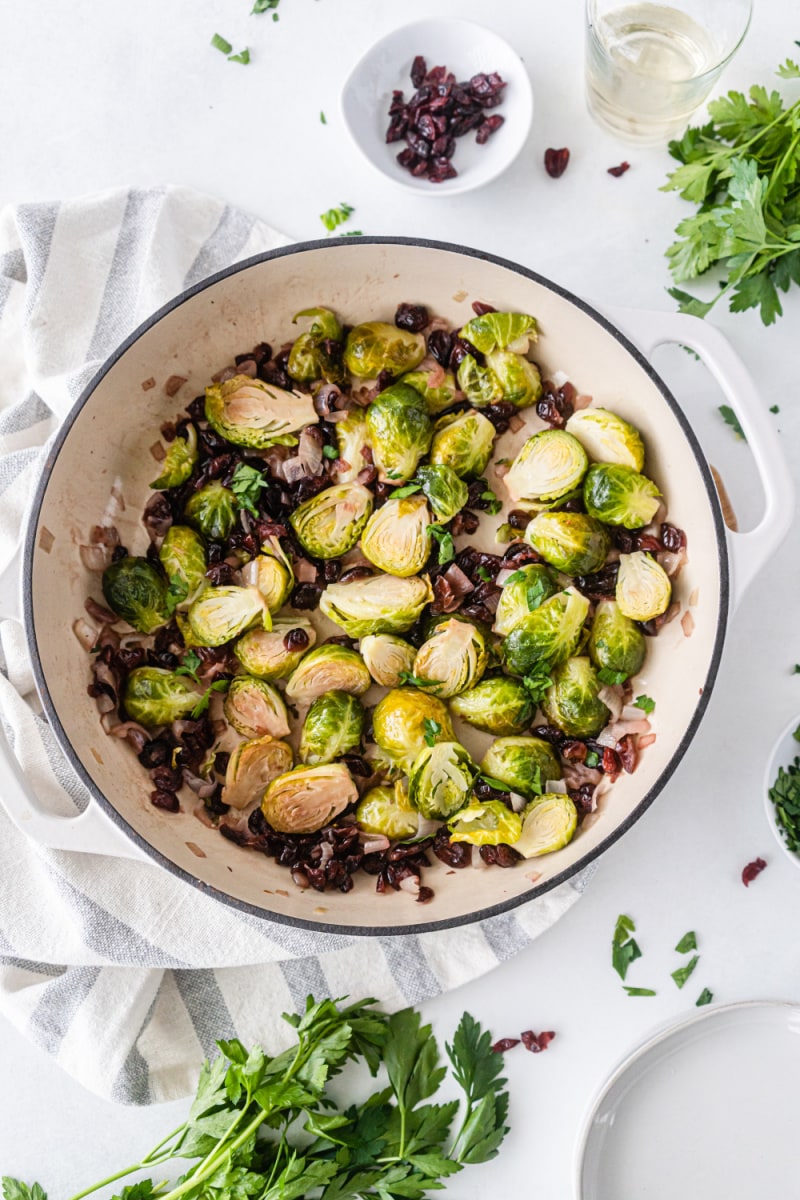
pixel 96 557
pixel 85 633
pixel 611 696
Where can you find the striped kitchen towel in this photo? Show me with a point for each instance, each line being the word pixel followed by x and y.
pixel 123 973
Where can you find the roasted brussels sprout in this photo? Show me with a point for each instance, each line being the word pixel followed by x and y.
pixel 406 720
pixel 308 798
pixel 440 780
pixel 222 613
pixel 572 701
pixel 333 727
pixel 249 412
pixel 255 708
pixel 499 705
pixel 382 604
pixel 274 654
pixel 274 576
pixel 619 496
pixel 212 510
pixel 453 658
pixel 376 346
pixel 478 383
pixel 329 524
pixel 387 657
pixel 328 668
pixel 607 438
pixel 463 442
pixel 444 491
pixel 183 557
pixel 550 465
pixel 523 764
pixel 550 634
pixel 351 439
pixel 311 356
pixel 378 812
pixel 437 397
pixel 154 696
pixel 548 824
pixel 616 643
pixel 395 537
pixel 135 591
pixel 571 542
pixel 486 824
pixel 500 330
pixel 179 461
pixel 251 766
pixel 643 587
pixel 399 431
pixel 523 591
pixel 520 380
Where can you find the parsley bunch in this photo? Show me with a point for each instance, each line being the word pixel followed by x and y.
pixel 741 168
pixel 263 1128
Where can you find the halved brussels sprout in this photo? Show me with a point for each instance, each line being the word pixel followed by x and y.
pixel 308 798
pixel 222 613
pixel 487 823
pixel 376 346
pixel 311 355
pixel 212 510
pixel 478 383
pixel 616 643
pixel 179 461
pixel 549 465
pixel 328 668
pixel 387 657
pixel 438 397
pixel 619 496
pixel 333 727
pixel 523 592
pixel 255 708
pixel 249 412
pixel 499 705
pixel 520 380
pixel 523 764
pixel 135 591
pixel 251 766
pixel 183 557
pixel 454 658
pixel 445 492
pixel 550 634
pixel 378 812
pixel 572 701
pixel 351 439
pixel 406 720
pixel 274 654
pixel 571 542
pixel 399 431
pixel 395 537
pixel 329 524
pixel 324 323
pixel 500 330
pixel 274 576
pixel 155 696
pixel 607 438
pixel 463 442
pixel 382 604
pixel 440 780
pixel 643 587
pixel 548 824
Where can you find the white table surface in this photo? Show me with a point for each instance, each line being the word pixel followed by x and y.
pixel 96 95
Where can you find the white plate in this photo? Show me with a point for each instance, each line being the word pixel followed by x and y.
pixel 465 49
pixel 785 751
pixel 706 1109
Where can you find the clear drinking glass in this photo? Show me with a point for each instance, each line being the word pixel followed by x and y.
pixel 650 64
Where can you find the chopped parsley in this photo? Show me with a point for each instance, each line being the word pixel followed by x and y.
pixel 189 664
pixel 774 408
pixel 221 44
pixel 497 784
pixel 785 795
pixel 705 997
pixel 247 485
pixel 645 704
pixel 612 678
pixel 432 729
pixel 219 685
pixel 242 57
pixel 408 489
pixel 730 418
pixel 323 119
pixel 177 592
pixel 682 974
pixel 538 680
pixel 638 991
pixel 483 574
pixel 335 217
pixel 688 942
pixel 406 678
pixel 444 540
pixel 624 948
pixel 330 451
pixel 262 6
pixel 592 759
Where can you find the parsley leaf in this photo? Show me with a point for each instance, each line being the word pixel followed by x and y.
pixel 705 997
pixel 538 680
pixel 730 418
pixel 242 57
pixel 612 678
pixel 796 669
pixel 592 758
pixel 262 6
pixel 247 485
pixel 785 795
pixel 189 664
pixel 682 973
pixel 515 577
pixel 444 539
pixel 638 991
pixel 14 1189
pixel 336 216
pixel 497 784
pixel 408 489
pixel 406 678
pixel 535 592
pixel 322 118
pixel 220 43
pixel 432 729
pixel 645 704
pixel 624 948
pixel 688 942
pixel 491 504
pixel 330 452
pixel 177 592
pixel 483 574
pixel 774 408
pixel 219 685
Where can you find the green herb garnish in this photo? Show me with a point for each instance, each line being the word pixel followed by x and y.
pixel 705 997
pixel 645 704
pixel 177 592
pixel 785 795
pixel 774 408
pixel 405 678
pixel 538 680
pixel 483 574
pixel 730 418
pixel 497 784
pixel 491 503
pixel 408 489
pixel 682 974
pixel 637 991
pixel 189 664
pixel 242 57
pixel 330 452
pixel 323 120
pixel 612 678
pixel 219 685
pixel 535 592
pixel 220 43
pixel 688 942
pixel 592 758
pixel 444 540
pixel 336 216
pixel 432 729
pixel 624 948
pixel 262 6
pixel 515 577
pixel 247 485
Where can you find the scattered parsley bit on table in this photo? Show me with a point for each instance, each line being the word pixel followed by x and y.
pixel 682 973
pixel 624 948
pixel 752 871
pixel 262 6
pixel 705 997
pixel 774 408
pixel 730 418
pixel 323 118
pixel 688 942
pixel 785 795
pixel 335 217
pixel 796 669
pixel 224 46
pixel 638 991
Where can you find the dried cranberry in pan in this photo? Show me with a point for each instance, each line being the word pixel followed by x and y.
pixel 412 317
pixel 555 162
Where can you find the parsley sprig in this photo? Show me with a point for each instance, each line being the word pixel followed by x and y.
pixel 247 485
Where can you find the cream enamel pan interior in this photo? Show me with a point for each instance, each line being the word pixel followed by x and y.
pixel 110 433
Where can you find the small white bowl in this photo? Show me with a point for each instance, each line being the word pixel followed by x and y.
pixel 465 49
pixel 785 751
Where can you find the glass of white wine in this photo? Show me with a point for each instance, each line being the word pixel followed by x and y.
pixel 649 65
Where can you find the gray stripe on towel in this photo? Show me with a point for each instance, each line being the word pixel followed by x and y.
pixel 304 977
pixel 206 1007
pixel 505 935
pixel 223 246
pixel 410 969
pixel 50 1021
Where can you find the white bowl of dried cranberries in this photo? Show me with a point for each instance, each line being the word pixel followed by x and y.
pixel 439 106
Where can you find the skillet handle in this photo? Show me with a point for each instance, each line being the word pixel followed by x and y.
pixel 748 551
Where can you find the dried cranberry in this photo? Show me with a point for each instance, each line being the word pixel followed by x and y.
pixel 439 345
pixel 167 801
pixel 305 596
pixel 672 538
pixel 648 543
pixel 155 753
pixel 295 639
pixel 610 763
pixel 574 750
pixel 627 753
pixel 413 317
pixel 583 798
pixel 419 70
pixel 520 555
pixel 548 733
pixel 480 309
pixel 465 122
pixel 332 570
pixel 118 552
pixel 353 573
pixel 444 146
pixel 424 895
pixel 421 168
pixel 220 574
pixel 397 128
pixel 464 522
pixel 398 103
pixel 461 349
pixel 490 125
pixel 752 870
pixel 197 408
pixel 620 170
pixel 623 539
pixel 131 657
pixel 166 779
pixel 555 162
pixel 504 1044
pixel 440 173
pixel 407 158
pixel 601 584
pixel 425 127
pixel 518 519
pixel 420 145
pixel 536 1043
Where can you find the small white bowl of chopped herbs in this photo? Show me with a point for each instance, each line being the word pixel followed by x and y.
pixel 782 791
pixel 439 106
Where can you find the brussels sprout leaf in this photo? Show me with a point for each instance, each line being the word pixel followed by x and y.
pixel 189 664
pixel 432 730
pixel 624 948
pixel 682 974
pixel 705 997
pixel 645 704
pixel 177 592
pixel 444 538
pixel 688 942
pixel 638 991
pixel 612 678
pixel 219 685
pixel 247 485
